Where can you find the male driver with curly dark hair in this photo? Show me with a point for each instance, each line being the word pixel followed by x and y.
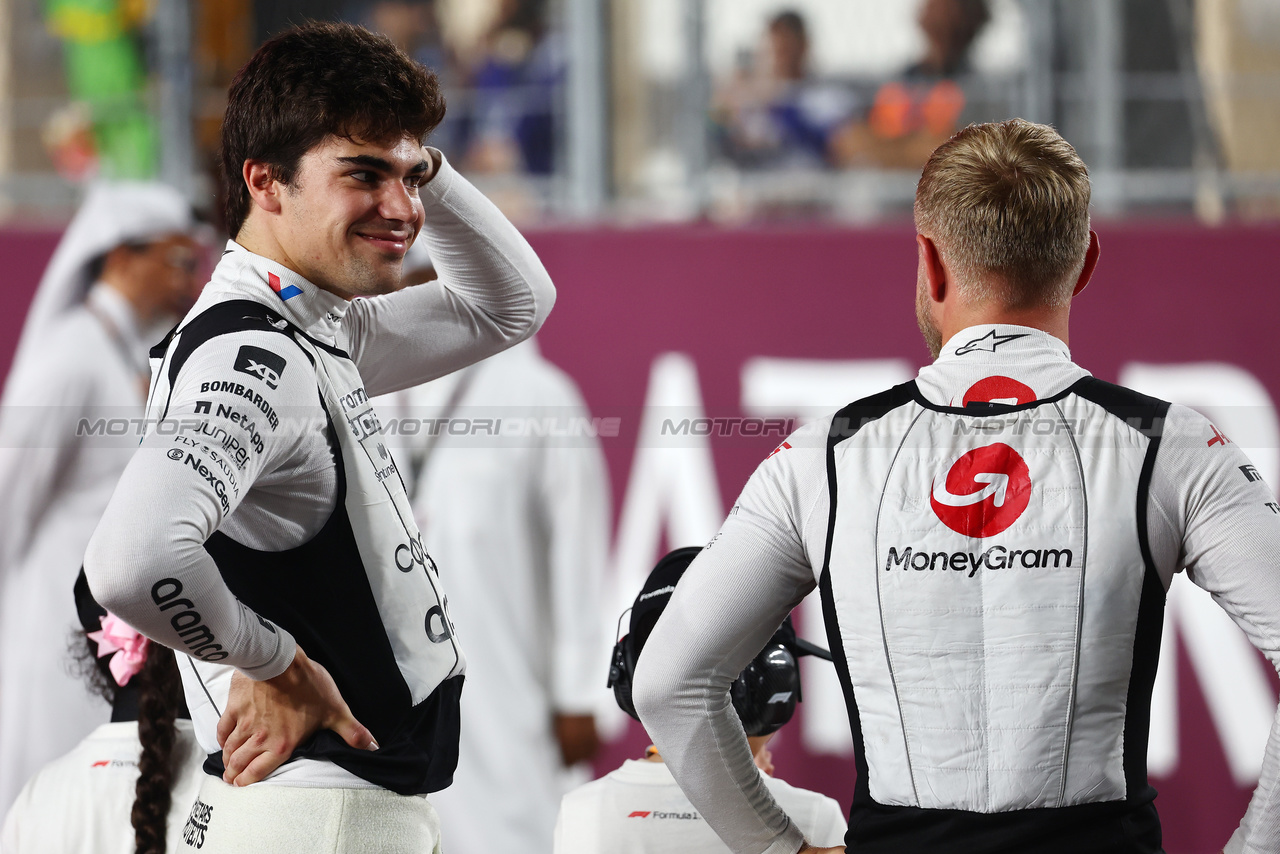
pixel 263 514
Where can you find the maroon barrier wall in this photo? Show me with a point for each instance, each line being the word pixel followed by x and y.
pixel 1162 294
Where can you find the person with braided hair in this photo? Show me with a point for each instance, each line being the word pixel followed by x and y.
pixel 128 786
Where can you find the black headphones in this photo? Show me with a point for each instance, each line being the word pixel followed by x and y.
pixel 766 691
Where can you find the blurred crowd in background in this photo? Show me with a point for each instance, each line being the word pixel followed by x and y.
pixel 676 110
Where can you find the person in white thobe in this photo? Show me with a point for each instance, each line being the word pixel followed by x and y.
pixel 121 275
pixel 518 524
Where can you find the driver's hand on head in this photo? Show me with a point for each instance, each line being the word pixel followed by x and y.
pixel 265 721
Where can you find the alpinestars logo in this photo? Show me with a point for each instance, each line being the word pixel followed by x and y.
pixel 988 343
pixel 285 292
pixel 984 492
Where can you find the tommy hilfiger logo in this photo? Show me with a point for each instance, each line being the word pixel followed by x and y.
pixel 988 343
pixel 285 292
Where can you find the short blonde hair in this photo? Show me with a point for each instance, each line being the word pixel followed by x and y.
pixel 1007 205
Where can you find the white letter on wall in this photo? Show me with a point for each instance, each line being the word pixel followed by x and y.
pixel 806 389
pixel 1230 672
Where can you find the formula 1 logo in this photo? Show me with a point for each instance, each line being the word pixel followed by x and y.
pixel 984 492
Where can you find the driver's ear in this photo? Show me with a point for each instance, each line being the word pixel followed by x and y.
pixel 264 189
pixel 935 271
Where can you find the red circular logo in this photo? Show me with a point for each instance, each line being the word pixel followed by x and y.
pixel 999 390
pixel 985 491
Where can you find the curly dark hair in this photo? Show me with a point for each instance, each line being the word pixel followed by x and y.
pixel 317 81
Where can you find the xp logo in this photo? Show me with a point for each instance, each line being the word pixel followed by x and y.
pixel 984 492
pixel 263 364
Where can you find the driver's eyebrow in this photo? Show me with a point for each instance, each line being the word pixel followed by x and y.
pixel 370 161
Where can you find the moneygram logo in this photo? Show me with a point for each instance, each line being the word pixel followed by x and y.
pixel 984 492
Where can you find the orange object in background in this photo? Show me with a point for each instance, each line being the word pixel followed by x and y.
pixel 901 109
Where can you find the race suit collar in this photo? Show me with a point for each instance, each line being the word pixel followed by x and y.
pixel 312 309
pixel 998 363
pixel 1000 342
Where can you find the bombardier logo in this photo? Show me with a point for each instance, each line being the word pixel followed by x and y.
pixel 984 492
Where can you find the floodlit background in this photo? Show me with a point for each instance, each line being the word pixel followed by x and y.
pixel 721 190
pixel 677 110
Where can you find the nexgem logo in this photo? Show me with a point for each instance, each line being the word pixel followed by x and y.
pixel 984 492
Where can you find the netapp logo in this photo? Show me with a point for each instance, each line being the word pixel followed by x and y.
pixel 996 557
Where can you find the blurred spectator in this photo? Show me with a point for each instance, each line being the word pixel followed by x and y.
pixel 414 25
pixel 1237 48
pixel 913 115
pixel 773 112
pixel 515 82
pixel 105 71
pixel 124 272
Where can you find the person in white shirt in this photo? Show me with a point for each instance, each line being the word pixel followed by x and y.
pixel 992 543
pixel 639 808
pixel 124 272
pixel 262 527
pixel 516 505
pixel 127 787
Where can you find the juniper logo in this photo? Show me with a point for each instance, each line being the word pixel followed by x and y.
pixel 983 492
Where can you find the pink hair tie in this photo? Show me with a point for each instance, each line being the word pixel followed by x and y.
pixel 117 636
